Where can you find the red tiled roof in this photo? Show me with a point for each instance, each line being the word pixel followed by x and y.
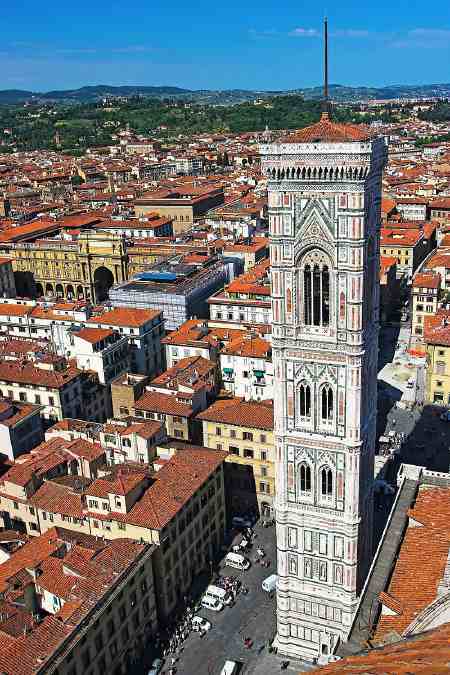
pixel 436 328
pixel 427 280
pixel 124 316
pixel 399 238
pixel 175 483
pixel 94 335
pixel 57 498
pixel 236 411
pixel 432 536
pixel 153 401
pixel 424 654
pixel 249 347
pixel 327 131
pixel 27 373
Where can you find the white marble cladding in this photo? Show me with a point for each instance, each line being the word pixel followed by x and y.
pixel 324 213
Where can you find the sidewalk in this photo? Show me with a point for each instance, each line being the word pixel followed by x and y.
pixel 270 664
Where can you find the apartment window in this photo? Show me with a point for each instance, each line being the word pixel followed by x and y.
pixel 37 399
pixel 264 487
pixel 262 438
pixel 248 453
pixel 178 433
pixel 232 433
pixel 264 471
pixel 22 396
pixel 218 431
pixel 264 455
pixel 247 436
pixel 218 446
pixel 440 368
pixel 234 450
pixel 51 400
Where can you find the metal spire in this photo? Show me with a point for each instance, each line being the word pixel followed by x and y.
pixel 326 102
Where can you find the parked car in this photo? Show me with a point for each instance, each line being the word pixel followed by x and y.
pixel 200 624
pixel 212 603
pixel 156 667
pixel 270 583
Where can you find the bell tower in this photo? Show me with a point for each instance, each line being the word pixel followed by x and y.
pixel 324 191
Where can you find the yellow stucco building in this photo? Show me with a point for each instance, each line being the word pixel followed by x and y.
pixel 244 429
pixel 437 340
pixel 73 270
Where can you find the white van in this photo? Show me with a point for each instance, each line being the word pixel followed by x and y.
pixel 237 560
pixel 219 594
pixel 208 602
pixel 229 668
pixel 270 584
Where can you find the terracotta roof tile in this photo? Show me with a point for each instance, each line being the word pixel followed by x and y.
pixel 327 131
pixel 123 316
pixel 236 411
pixel 424 654
pixel 431 512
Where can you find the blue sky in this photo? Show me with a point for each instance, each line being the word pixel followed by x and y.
pixel 256 45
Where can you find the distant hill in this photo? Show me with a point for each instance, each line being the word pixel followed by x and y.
pixel 338 92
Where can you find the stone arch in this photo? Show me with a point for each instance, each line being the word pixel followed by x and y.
pixel 39 290
pixel 80 292
pixel 103 280
pixel 298 173
pixel 70 293
pixel 49 290
pixel 59 290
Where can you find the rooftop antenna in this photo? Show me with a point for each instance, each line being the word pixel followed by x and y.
pixel 326 102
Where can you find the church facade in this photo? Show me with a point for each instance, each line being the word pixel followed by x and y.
pixel 324 191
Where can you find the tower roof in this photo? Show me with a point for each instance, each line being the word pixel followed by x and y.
pixel 327 131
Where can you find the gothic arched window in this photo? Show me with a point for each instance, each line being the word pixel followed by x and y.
pixel 304 400
pixel 316 291
pixel 326 482
pixel 305 478
pixel 327 403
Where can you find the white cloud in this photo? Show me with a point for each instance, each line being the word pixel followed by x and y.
pixel 423 38
pixel 304 32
